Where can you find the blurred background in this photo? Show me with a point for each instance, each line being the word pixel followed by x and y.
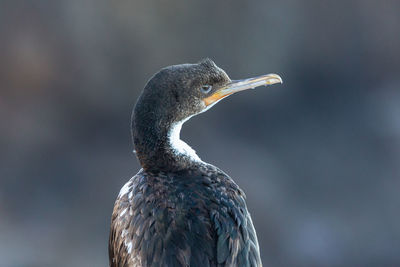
pixel 318 156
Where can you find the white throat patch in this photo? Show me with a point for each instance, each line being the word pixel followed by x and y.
pixel 177 144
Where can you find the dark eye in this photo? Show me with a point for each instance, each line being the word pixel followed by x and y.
pixel 206 88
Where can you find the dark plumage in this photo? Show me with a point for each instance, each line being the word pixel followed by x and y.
pixel 179 210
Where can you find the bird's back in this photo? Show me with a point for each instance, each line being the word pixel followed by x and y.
pixel 195 217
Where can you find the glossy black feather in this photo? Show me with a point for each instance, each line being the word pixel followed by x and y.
pixel 197 217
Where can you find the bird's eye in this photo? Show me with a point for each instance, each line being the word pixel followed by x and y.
pixel 206 88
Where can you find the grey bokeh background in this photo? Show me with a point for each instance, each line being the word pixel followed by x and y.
pixel 317 156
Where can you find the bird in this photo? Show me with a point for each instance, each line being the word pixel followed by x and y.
pixel 179 210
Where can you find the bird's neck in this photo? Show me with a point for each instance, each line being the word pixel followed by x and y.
pixel 177 145
pixel 158 145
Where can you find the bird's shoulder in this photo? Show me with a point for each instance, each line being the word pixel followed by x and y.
pixel 237 243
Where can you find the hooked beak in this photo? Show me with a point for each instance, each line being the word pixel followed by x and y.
pixel 240 85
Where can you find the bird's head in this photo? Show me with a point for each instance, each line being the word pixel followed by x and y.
pixel 171 97
pixel 182 91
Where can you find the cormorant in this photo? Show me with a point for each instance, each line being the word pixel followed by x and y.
pixel 179 210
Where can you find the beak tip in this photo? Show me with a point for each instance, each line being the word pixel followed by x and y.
pixel 273 79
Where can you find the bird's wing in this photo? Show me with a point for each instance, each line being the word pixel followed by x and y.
pixel 151 227
pixel 237 243
pixel 119 247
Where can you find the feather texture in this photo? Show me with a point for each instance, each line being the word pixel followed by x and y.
pixel 195 217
